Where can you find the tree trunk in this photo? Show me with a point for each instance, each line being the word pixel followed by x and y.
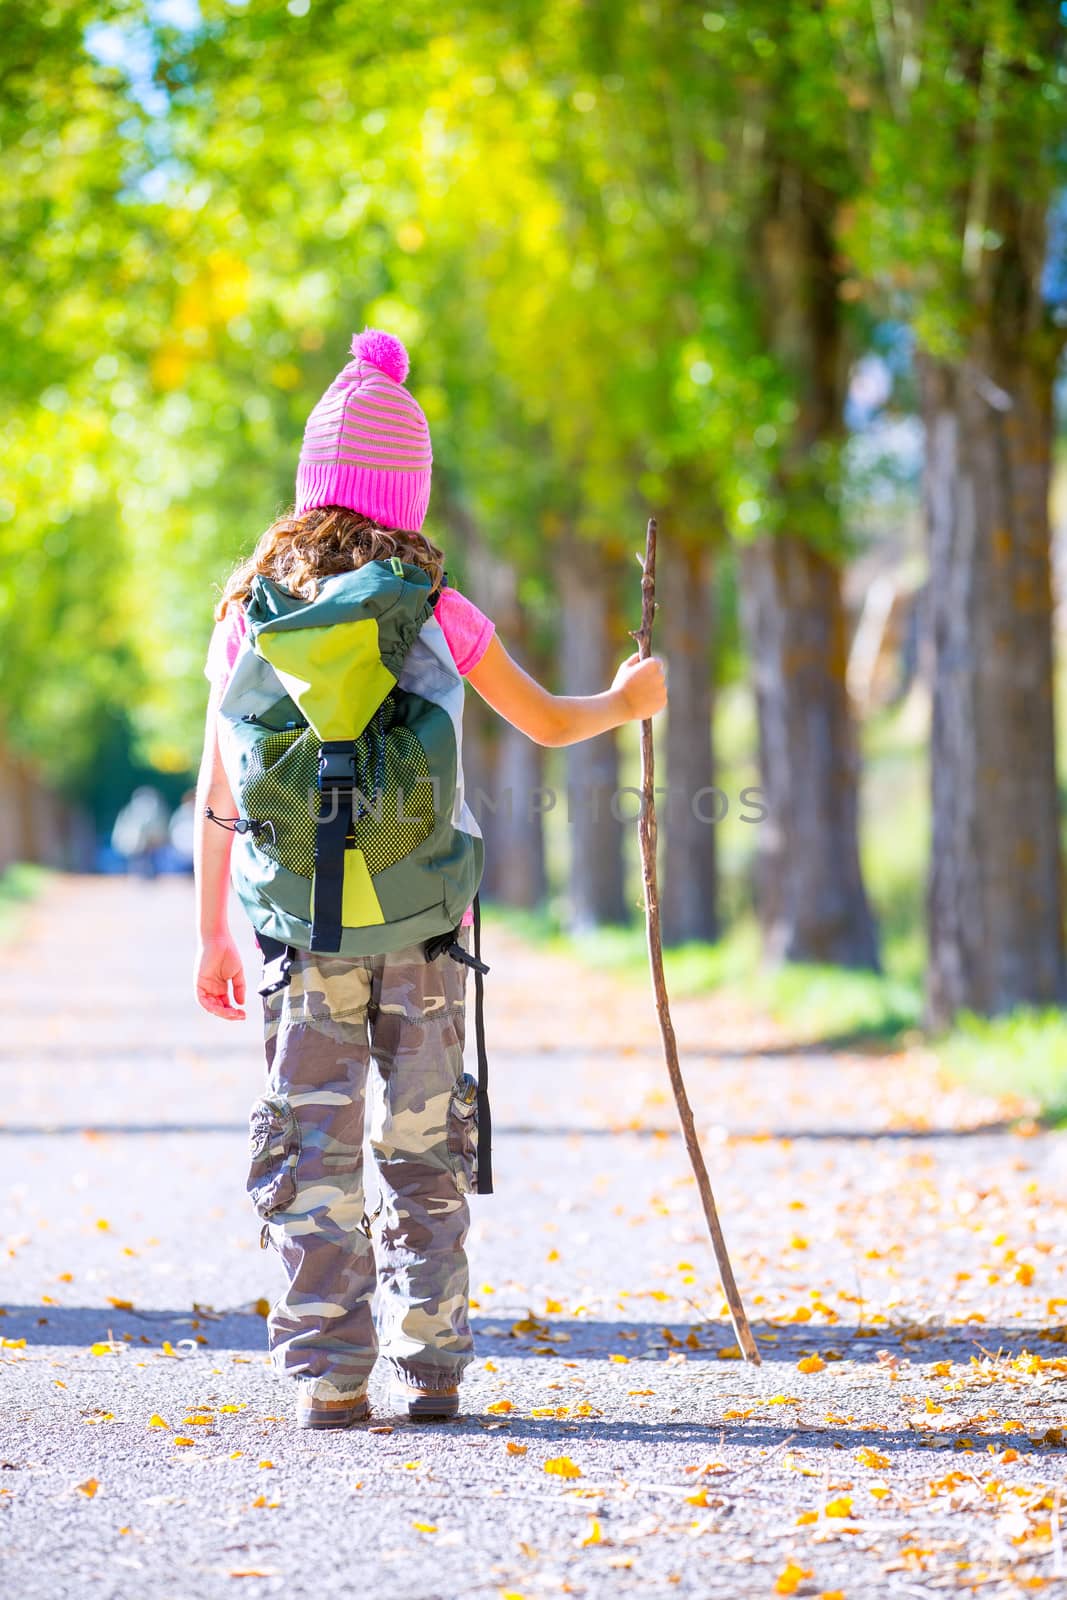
pixel 505 770
pixel 994 895
pixel 688 903
pixel 812 902
pixel 596 861
pixel 810 894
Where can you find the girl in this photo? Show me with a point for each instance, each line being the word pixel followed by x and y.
pixel 363 485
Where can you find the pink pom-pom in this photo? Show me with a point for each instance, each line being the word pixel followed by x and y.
pixel 383 351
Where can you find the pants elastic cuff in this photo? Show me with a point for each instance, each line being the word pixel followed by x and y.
pixel 336 1388
pixel 420 1375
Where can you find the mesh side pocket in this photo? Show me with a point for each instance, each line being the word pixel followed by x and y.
pixel 385 835
pixel 282 769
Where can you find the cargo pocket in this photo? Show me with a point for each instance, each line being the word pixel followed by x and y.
pixel 274 1138
pixel 463 1134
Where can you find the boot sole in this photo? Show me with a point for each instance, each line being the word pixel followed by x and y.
pixel 324 1421
pixel 429 1408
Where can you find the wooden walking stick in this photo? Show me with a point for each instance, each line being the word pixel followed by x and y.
pixel 647 833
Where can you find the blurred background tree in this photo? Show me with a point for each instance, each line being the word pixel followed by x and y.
pixel 730 266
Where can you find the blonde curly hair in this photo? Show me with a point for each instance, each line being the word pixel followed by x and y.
pixel 298 552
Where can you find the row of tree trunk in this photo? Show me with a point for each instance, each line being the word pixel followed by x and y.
pixel 994 904
pixel 36 824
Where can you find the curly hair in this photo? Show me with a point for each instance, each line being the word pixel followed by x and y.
pixel 298 552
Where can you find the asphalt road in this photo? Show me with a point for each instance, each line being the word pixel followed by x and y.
pixel 900 1245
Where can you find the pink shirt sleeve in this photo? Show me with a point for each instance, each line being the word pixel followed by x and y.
pixel 225 643
pixel 467 630
pixel 467 634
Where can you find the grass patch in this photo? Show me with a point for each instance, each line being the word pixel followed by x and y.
pixel 816 1004
pixel 1023 1053
pixel 18 885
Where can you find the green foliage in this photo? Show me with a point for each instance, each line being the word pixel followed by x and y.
pixel 567 211
pixel 1023 1054
pixel 968 101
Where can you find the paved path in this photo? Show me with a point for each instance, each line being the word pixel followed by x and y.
pixel 901 1241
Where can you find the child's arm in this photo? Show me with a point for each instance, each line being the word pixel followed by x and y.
pixel 639 690
pixel 218 964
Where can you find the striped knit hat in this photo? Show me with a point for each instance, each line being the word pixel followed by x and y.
pixel 366 445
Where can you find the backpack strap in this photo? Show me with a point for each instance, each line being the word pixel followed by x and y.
pixel 337 784
pixel 448 944
pixel 485 1120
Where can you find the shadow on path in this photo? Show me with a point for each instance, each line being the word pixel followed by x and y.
pixel 571 1339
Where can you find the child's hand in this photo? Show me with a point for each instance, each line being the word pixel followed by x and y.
pixel 218 965
pixel 642 686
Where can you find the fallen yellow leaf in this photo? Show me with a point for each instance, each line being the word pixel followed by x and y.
pixel 790 1578
pixel 102 1348
pixel 156 1421
pixel 182 1441
pixel 89 1487
pixel 871 1458
pixel 594 1535
pixel 120 1305
pixel 840 1507
pixel 500 1407
pixel 811 1364
pixel 563 1467
pixel 267 1464
pixel 516 1449
pixel 425 1527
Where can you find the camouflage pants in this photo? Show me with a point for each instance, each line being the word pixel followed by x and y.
pixel 365 1044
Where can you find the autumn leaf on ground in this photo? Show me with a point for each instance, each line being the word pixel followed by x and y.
pixel 424 1527
pixel 790 1578
pixel 516 1449
pixel 839 1507
pixel 120 1305
pixel 88 1488
pixel 730 1352
pixel 156 1421
pixel 811 1364
pixel 501 1407
pixel 594 1535
pixel 184 1442
pixel 563 1467
pixel 871 1458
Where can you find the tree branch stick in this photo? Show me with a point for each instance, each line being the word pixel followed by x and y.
pixel 647 833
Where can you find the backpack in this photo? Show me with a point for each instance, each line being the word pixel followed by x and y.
pixel 340 734
pixel 340 730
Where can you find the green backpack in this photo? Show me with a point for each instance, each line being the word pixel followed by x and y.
pixel 340 733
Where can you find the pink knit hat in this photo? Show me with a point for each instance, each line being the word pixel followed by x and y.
pixel 366 445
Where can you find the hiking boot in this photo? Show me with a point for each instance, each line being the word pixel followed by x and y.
pixel 315 1412
pixel 426 1405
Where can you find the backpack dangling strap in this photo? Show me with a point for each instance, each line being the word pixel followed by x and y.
pixel 485 1121
pixel 277 964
